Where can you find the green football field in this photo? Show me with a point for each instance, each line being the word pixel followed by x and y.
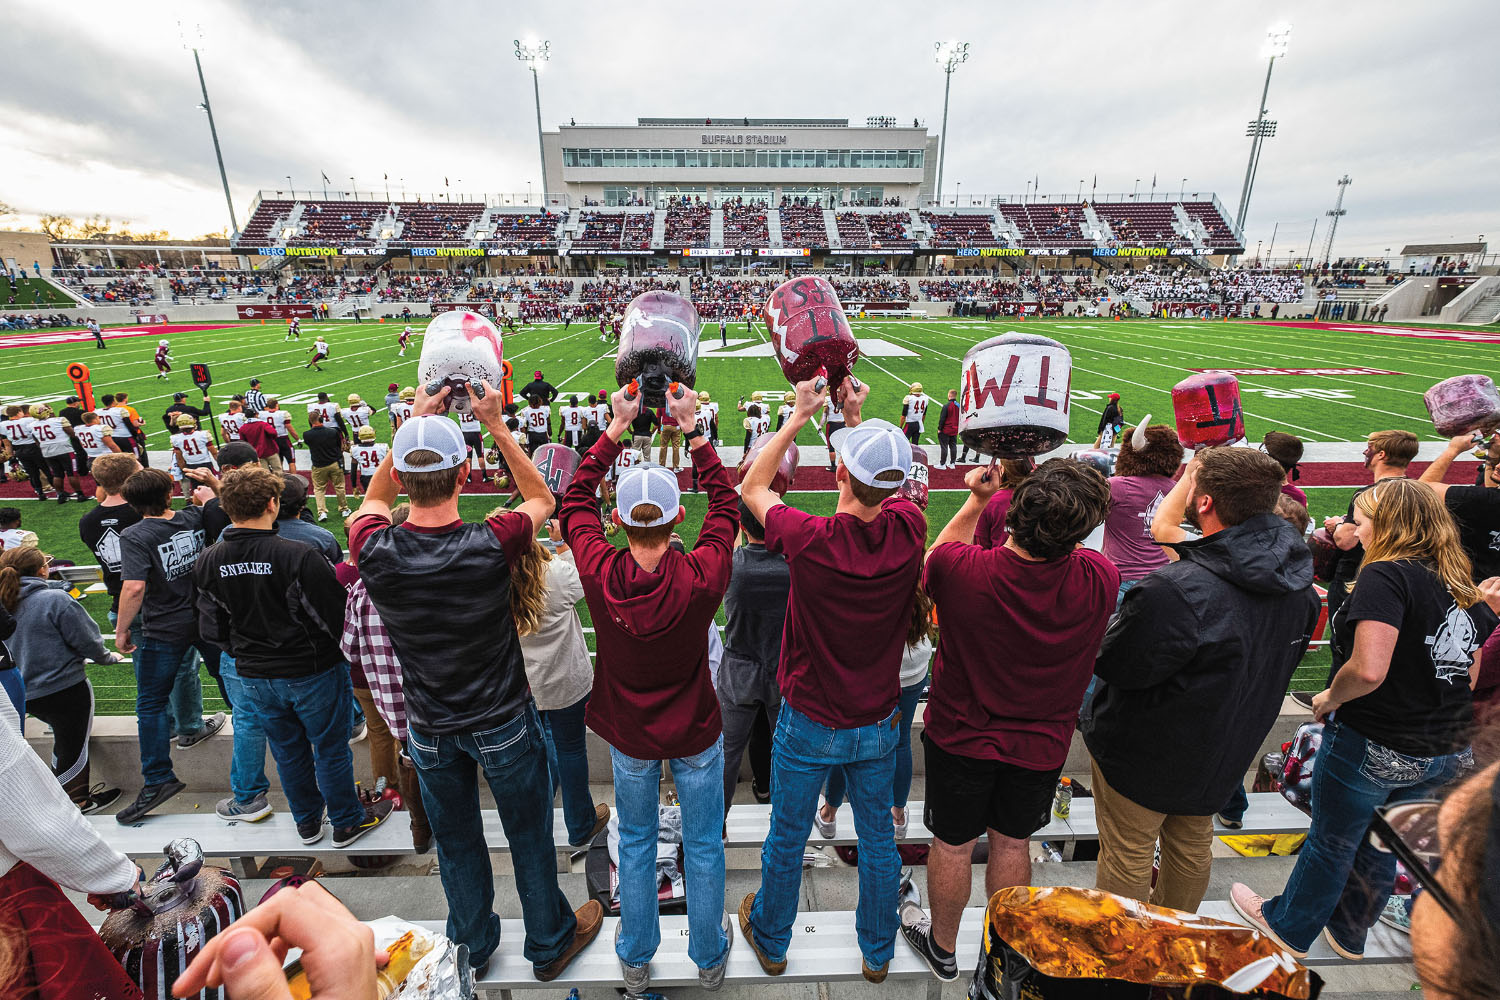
pixel 1139 359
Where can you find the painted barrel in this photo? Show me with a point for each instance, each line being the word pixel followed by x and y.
pixel 914 487
pixel 1207 409
pixel 558 464
pixel 1325 554
pixel 155 947
pixel 658 344
pixel 786 472
pixel 809 331
pixel 1097 458
pixel 460 347
pixel 1463 404
pixel 1015 397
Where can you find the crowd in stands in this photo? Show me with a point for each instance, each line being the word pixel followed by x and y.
pixel 610 296
pixel 339 224
pixel 960 231
pixel 1183 630
pixel 532 232
pixel 688 225
pixel 514 289
pixel 745 224
pixel 425 288
pixel 852 290
pixel 615 231
pixel 1225 285
pixel 802 224
pixel 121 291
pixel 35 321
pixel 319 287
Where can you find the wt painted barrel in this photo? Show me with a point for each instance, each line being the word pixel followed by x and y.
pixel 658 344
pixel 809 331
pixel 1463 404
pixel 1015 396
pixel 458 348
pixel 914 487
pixel 1207 409
pixel 558 464
pixel 786 472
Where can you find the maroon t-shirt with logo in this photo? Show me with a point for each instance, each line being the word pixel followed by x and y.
pixel 848 610
pixel 1015 651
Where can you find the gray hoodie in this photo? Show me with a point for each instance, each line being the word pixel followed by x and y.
pixel 53 636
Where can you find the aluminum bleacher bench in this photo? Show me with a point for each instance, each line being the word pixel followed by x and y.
pixel 748 826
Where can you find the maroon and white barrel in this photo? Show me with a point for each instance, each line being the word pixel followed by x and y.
pixel 1015 397
pixel 658 344
pixel 1207 410
pixel 558 464
pixel 458 348
pixel 786 472
pixel 1463 404
pixel 914 487
pixel 809 331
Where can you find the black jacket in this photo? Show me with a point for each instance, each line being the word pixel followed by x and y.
pixel 272 603
pixel 1196 665
pixel 170 416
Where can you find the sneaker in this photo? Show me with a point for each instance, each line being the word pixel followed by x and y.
pixel 601 820
pixel 151 796
pixel 1347 954
pixel 876 976
pixel 99 797
pixel 1248 905
pixel 916 927
pixel 322 515
pixel 1397 913
pixel 1303 698
pixel 311 831
pixel 771 968
pixel 211 727
pixel 901 826
pixel 358 734
pixel 637 977
pixel 253 811
pixel 345 512
pixel 826 828
pixel 712 978
pixel 761 795
pixel 375 814
pixel 590 917
pixel 1227 823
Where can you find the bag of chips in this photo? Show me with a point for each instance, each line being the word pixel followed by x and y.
pixel 1060 943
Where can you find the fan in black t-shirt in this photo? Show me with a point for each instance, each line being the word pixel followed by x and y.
pixel 100 530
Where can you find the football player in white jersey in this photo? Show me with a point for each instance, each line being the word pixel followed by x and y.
pixel 286 434
pixel 232 420
pixel 785 410
pixel 914 412
pixel 357 414
pixel 571 419
pixel 755 424
pixel 56 440
pixel 92 435
pixel 473 432
pixel 833 420
pixel 319 352
pixel 19 429
pixel 706 401
pixel 405 339
pixel 599 412
pixel 191 447
pixel 325 406
pixel 368 454
pixel 536 421
pixel 705 418
pixel 401 412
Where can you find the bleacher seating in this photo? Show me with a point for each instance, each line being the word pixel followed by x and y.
pixel 434 223
pixel 536 231
pixel 1219 233
pixel 745 226
pixel 952 231
pixel 802 226
pixel 338 223
pixel 257 229
pixel 1146 223
pixel 687 226
pixel 1044 225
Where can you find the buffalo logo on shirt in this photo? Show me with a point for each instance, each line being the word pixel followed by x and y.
pixel 1149 514
pixel 107 550
pixel 179 553
pixel 1454 644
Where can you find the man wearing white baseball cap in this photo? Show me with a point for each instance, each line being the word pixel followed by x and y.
pixel 854 579
pixel 443 590
pixel 653 697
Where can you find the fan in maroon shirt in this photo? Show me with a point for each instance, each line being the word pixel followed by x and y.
pixel 261 436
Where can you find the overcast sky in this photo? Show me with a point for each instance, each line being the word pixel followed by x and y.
pixel 99 112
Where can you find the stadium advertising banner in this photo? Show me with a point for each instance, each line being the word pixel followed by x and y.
pixel 276 312
pixel 609 252
pixel 873 252
pixel 783 252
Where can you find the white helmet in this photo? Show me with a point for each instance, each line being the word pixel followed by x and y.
pixel 161 343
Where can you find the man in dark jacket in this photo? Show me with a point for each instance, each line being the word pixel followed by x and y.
pixel 540 388
pixel 755 604
pixel 277 608
pixel 181 405
pixel 1194 670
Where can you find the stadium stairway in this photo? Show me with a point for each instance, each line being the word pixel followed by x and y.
pixel 658 228
pixel 716 228
pixel 773 229
pixel 831 227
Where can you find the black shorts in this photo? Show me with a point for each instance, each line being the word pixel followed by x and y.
pixel 284 449
pixel 59 466
pixel 534 441
pixel 475 441
pixel 966 797
pixel 831 428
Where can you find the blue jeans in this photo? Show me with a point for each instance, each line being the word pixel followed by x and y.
pixel 247 768
pixel 1237 804
pixel 1340 881
pixel 901 783
pixel 306 721
pixel 186 703
pixel 568 764
pixel 700 789
pixel 158 667
pixel 513 758
pixel 802 751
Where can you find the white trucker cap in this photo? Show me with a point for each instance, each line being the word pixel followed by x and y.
pixel 429 432
pixel 647 483
pixel 873 447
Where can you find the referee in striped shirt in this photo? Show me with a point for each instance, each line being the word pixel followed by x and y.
pixel 255 400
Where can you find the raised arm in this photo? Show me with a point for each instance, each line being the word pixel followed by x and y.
pixel 982 483
pixel 1434 473
pixel 756 489
pixel 536 497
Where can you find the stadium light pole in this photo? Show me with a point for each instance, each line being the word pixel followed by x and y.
pixel 949 55
pixel 533 53
pixel 1336 212
pixel 1277 37
pixel 207 109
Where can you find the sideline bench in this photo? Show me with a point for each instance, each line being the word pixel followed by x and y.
pixel 748 827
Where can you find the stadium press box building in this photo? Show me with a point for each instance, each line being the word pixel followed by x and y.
pixel 659 161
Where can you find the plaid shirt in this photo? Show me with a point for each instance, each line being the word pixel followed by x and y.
pixel 368 647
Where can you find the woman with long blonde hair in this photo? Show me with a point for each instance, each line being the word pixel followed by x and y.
pixel 1397 716
pixel 545 591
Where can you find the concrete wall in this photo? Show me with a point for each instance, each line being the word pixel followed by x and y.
pixel 19 249
pixel 1409 299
